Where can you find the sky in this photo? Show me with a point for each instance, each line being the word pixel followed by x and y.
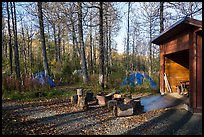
pixel 123 31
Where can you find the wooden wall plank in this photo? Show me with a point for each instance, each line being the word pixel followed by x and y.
pixel 199 70
pixel 175 73
pixel 177 44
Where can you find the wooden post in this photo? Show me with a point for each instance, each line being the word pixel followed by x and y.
pixel 192 67
pixel 199 71
pixel 162 89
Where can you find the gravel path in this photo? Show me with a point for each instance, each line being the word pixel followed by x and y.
pixel 59 117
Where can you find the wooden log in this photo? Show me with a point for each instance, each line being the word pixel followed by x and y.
pixel 101 100
pixel 137 107
pixel 108 97
pixel 117 96
pixel 89 96
pixel 79 92
pixel 136 103
pixel 74 99
pixel 124 110
pixel 127 100
pixel 111 104
pixel 82 103
pixel 114 112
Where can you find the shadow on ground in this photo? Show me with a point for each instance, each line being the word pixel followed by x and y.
pixel 172 122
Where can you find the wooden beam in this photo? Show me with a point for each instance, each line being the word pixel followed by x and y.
pixel 192 67
pixel 162 65
pixel 199 70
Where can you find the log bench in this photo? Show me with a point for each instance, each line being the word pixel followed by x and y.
pixel 127 108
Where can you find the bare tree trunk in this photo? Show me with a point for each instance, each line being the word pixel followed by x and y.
pixel 101 48
pixel 191 9
pixel 48 41
pixel 161 16
pixel 16 53
pixel 150 46
pixel 83 56
pixel 106 51
pixel 24 48
pixel 127 57
pixel 63 45
pixel 128 31
pixel 133 53
pixel 94 57
pixel 29 44
pixel 10 44
pixel 74 39
pixel 31 56
pixel 91 47
pixel 55 39
pixel 110 50
pixel 40 16
pixel 59 44
pixel 68 47
pixel 17 64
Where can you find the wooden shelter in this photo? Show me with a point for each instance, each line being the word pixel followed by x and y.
pixel 181 59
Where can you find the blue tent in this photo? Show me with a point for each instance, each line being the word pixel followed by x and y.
pixel 43 79
pixel 134 79
pixel 137 79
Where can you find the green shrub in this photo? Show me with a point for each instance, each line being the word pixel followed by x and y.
pixel 53 93
pixel 127 89
pixel 68 93
pixel 13 95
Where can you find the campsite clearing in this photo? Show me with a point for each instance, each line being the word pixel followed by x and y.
pixel 59 117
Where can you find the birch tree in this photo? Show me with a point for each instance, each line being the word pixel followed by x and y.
pixel 83 56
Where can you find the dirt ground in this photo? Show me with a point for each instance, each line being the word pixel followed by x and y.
pixel 59 117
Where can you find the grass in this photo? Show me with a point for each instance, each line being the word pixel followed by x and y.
pixel 36 94
pixel 69 90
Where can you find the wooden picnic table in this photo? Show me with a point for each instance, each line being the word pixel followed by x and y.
pixel 184 85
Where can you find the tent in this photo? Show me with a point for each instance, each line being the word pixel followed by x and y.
pixel 152 84
pixel 137 79
pixel 43 79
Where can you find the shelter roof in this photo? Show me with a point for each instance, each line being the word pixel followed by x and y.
pixel 179 26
